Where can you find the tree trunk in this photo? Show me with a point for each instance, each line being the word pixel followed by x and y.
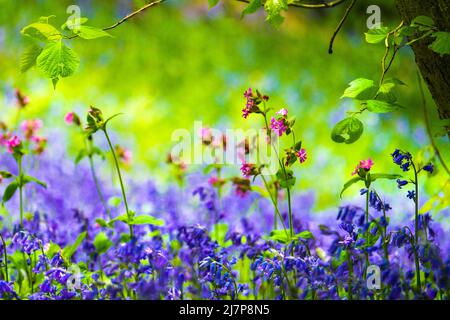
pixel 434 68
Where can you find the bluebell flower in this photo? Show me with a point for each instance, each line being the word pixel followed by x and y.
pixel 401 183
pixel 411 195
pixel 429 168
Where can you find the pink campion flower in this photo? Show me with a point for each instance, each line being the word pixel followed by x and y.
pixel 69 117
pixel 363 164
pixel 4 139
pixel 1 179
pixel 278 126
pixel 246 169
pixel 30 127
pixel 249 103
pixel 302 155
pixel 13 142
pixel 40 142
pixel 282 112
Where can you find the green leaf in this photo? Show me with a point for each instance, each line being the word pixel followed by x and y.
pixel 41 31
pixel 378 106
pixel 102 223
pixel 360 89
pixel 286 178
pixel 304 235
pixel 6 174
pixel 340 260
pixel 69 250
pixel 375 176
pixel 422 21
pixel 349 183
pixel 252 7
pixel 9 191
pixel 213 3
pixel 29 56
pixel 147 219
pixel 102 243
pixel 441 44
pixel 71 23
pixel 114 201
pixel 280 236
pixel 376 35
pixel 88 33
pixel 57 60
pixel 273 9
pixel 347 131
pixel 27 179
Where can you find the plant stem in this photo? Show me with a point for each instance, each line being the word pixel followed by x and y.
pixel 416 227
pixel 6 257
pixel 277 211
pixel 88 145
pixel 350 275
pixel 367 232
pixel 120 180
pixel 19 163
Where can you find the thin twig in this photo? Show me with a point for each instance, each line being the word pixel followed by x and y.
pixel 341 23
pixel 427 126
pixel 298 4
pixel 149 5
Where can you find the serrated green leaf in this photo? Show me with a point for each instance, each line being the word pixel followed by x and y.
pixel 72 22
pixel 29 56
pixel 57 60
pixel 376 35
pixel 273 9
pixel 252 7
pixel 88 33
pixel 441 44
pixel 378 106
pixel 360 89
pixel 423 21
pixel 349 183
pixel 41 31
pixel 304 235
pixel 347 131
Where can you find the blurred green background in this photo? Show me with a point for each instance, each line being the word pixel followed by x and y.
pixel 180 62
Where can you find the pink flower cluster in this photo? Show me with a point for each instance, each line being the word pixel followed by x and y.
pixel 363 164
pixel 30 128
pixel 9 141
pixel 280 124
pixel 249 103
pixel 302 155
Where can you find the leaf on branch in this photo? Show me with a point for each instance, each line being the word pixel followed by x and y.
pixel 41 31
pixel 441 44
pixel 29 56
pixel 360 89
pixel 252 7
pixel 88 33
pixel 347 131
pixel 376 35
pixel 57 60
pixel 378 106
pixel 273 9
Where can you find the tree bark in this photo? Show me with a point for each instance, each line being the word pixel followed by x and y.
pixel 434 68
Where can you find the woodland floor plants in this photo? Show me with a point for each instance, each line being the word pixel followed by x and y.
pixel 15 146
pixel 405 161
pixel 362 174
pixel 279 125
